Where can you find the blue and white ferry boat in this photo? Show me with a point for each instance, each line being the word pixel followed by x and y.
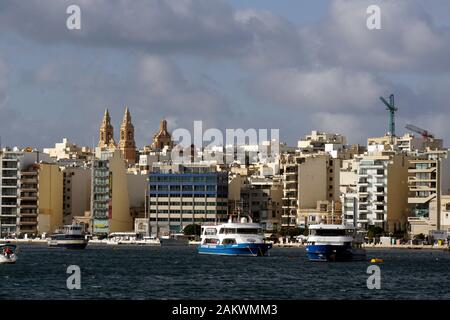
pixel 235 238
pixel 71 237
pixel 334 242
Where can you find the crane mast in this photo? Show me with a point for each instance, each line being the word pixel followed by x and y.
pixel 390 106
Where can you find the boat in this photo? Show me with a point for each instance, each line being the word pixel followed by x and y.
pixel 334 242
pixel 177 239
pixel 235 238
pixel 8 253
pixel 124 238
pixel 70 237
pixel 148 241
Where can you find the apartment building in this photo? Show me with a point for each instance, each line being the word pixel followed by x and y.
pixel 259 197
pixel 20 179
pixel 428 181
pixel 383 191
pixel 50 198
pixel 316 141
pixel 76 192
pixel 179 195
pixel 306 180
pixel 110 208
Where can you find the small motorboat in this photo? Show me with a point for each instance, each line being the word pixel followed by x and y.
pixel 8 253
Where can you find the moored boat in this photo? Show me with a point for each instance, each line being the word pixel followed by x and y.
pixel 334 242
pixel 71 237
pixel 8 253
pixel 174 240
pixel 235 238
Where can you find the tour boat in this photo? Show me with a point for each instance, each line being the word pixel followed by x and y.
pixel 8 253
pixel 334 242
pixel 235 238
pixel 71 237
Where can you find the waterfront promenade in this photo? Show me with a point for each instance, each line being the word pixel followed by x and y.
pixel 277 245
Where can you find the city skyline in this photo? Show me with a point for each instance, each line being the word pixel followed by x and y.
pixel 231 64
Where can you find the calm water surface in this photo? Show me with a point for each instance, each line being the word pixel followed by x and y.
pixel 180 273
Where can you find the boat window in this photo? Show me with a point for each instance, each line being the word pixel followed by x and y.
pixel 229 241
pixel 249 230
pixel 211 241
pixel 210 231
pixel 228 230
pixel 328 232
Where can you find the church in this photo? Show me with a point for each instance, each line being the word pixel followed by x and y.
pixel 127 144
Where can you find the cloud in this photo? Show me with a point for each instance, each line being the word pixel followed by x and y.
pixel 275 41
pixel 3 83
pixel 328 74
pixel 153 87
pixel 329 89
pixel 408 41
pixel 200 26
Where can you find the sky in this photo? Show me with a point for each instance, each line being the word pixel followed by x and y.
pixel 290 65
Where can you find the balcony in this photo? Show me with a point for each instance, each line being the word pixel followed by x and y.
pixel 31 181
pixel 28 223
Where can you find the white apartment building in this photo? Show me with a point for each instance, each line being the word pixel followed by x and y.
pixel 382 192
pixel 18 188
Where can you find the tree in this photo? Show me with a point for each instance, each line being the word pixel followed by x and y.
pixel 374 232
pixel 291 232
pixel 192 230
pixel 419 236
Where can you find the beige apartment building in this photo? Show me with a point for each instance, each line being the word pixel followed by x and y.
pixel 328 212
pixel 429 182
pixel 406 143
pixel 50 198
pixel 76 192
pixel 259 197
pixel 307 180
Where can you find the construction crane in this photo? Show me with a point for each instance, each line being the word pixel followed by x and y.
pixel 390 106
pixel 425 133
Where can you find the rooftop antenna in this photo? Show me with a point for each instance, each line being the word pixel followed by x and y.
pixel 390 106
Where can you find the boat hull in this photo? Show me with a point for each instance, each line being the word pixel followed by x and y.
pixel 68 244
pixel 243 249
pixel 173 242
pixel 327 252
pixel 8 260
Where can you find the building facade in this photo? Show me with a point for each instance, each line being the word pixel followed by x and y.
pixel 383 191
pixel 179 195
pixel 428 182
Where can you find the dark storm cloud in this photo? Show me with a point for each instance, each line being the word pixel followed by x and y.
pixel 182 26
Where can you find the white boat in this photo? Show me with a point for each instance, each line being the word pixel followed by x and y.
pixel 334 242
pixel 8 253
pixel 71 237
pixel 125 238
pixel 235 238
pixel 148 241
